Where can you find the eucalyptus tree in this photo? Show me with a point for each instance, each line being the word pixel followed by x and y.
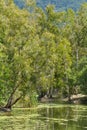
pixel 82 75
pixel 52 24
pixel 74 29
pixel 78 39
pixel 17 32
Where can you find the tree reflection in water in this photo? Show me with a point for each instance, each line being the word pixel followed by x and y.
pixel 48 117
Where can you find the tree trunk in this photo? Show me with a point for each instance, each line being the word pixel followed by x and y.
pixel 50 92
pixel 77 57
pixel 9 102
pixel 16 100
pixel 9 105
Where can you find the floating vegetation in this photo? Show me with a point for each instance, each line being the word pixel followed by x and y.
pixel 45 117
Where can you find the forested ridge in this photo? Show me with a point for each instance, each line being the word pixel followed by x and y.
pixel 41 53
pixel 59 4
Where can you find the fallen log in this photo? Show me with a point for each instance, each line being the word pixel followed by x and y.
pixel 77 99
pixel 78 96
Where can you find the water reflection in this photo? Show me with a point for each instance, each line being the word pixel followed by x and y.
pixel 48 117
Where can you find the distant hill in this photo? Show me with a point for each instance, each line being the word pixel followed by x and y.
pixel 59 4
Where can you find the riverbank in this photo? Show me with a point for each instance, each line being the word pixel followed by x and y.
pixel 75 99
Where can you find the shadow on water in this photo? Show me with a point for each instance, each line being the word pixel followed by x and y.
pixel 46 117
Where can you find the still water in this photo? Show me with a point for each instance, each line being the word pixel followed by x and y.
pixel 45 117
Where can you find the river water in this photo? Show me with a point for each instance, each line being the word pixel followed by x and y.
pixel 45 117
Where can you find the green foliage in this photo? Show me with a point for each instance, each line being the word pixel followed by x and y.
pixel 40 51
pixel 82 75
